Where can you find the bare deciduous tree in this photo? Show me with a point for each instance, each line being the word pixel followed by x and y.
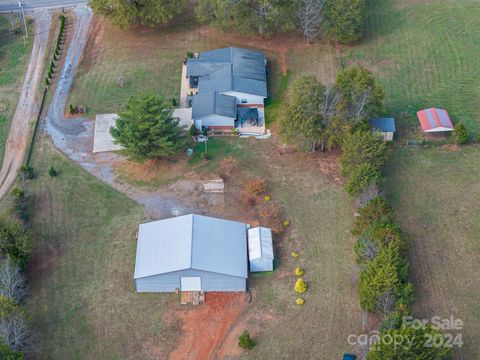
pixel 310 17
pixel 386 302
pixel 12 281
pixel 15 332
pixel 370 192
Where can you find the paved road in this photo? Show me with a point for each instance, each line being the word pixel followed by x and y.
pixel 27 107
pixel 12 5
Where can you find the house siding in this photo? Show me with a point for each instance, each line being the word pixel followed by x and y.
pixel 261 264
pixel 214 120
pixel 251 99
pixel 171 281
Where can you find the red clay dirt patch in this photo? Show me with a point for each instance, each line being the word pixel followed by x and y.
pixel 206 326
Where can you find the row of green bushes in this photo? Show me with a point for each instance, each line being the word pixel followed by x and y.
pixel 384 286
pixel 56 52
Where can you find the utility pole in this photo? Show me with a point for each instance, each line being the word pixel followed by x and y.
pixel 23 16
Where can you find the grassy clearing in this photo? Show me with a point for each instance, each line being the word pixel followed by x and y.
pixel 82 297
pixel 435 195
pixel 150 60
pixel 320 213
pixel 426 55
pixel 14 55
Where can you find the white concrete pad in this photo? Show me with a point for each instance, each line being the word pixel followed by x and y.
pixel 185 117
pixel 102 140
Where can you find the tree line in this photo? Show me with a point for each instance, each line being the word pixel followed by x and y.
pixel 339 20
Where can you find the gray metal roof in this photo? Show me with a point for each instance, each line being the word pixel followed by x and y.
pixel 383 124
pixel 260 244
pixel 235 69
pixel 192 242
pixel 213 103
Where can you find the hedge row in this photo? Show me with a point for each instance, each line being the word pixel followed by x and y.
pixel 56 52
pixel 384 286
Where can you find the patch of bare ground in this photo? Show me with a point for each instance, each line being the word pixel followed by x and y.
pixel 204 327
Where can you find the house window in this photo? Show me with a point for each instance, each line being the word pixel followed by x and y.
pixel 244 101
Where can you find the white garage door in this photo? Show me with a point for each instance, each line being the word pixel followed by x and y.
pixel 191 283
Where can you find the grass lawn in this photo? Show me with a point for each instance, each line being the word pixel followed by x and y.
pixel 426 55
pixel 151 59
pixel 14 55
pixel 82 296
pixel 436 197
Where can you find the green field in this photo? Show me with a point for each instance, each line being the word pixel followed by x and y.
pixel 436 197
pixel 14 55
pixel 82 297
pixel 426 55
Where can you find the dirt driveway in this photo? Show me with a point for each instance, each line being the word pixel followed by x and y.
pixel 27 106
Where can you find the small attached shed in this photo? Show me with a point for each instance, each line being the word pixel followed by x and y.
pixel 260 249
pixel 385 125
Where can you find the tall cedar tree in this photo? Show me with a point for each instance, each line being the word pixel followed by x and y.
pixel 14 242
pixel 147 129
pixel 384 350
pixel 360 95
pixel 126 13
pixel 362 147
pixel 301 119
pixel 345 19
pixel 263 17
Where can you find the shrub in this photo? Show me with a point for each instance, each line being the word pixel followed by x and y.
pixel 245 341
pixel 300 301
pixel 377 210
pixel 71 109
pixel 300 286
pixel 362 176
pixel 174 102
pixel 47 82
pixel 255 186
pixel 227 165
pixel 299 271
pixel 270 212
pixel 189 54
pixel 461 134
pixel 204 156
pixel 14 242
pixel 27 172
pixel 52 172
pixel 193 130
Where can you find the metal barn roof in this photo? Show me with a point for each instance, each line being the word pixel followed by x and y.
pixel 192 242
pixel 435 120
pixel 260 243
pixel 383 124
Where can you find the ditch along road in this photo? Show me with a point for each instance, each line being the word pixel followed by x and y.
pixel 27 107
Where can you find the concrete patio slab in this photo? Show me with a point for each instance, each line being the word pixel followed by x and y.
pixel 102 140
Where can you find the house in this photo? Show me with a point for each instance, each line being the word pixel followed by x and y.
pixel 385 125
pixel 224 81
pixel 435 120
pixel 260 249
pixel 191 253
